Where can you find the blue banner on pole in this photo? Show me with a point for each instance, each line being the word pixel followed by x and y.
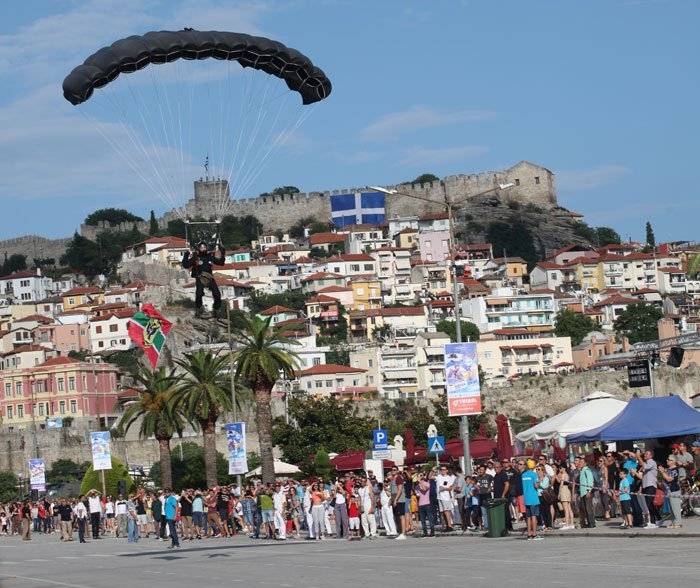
pixel 236 448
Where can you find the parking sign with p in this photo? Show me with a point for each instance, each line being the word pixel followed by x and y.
pixel 381 439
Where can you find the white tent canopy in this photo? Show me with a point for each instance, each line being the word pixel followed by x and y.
pixel 281 469
pixel 594 410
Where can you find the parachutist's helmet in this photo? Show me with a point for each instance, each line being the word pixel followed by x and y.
pixel 202 246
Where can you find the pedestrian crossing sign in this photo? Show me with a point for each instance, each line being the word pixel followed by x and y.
pixel 436 445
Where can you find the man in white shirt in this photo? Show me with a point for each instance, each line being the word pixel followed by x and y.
pixel 121 511
pixel 95 508
pixel 306 505
pixel 81 515
pixel 279 500
pixel 367 506
pixel 445 483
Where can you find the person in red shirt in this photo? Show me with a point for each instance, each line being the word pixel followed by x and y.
pixel 354 518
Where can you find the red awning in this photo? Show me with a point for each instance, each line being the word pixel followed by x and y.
pixel 354 460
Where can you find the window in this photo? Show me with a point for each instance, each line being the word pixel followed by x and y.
pixel 517 182
pixel 329 383
pixel 62 407
pixel 98 329
pixel 308 385
pixel 427 242
pixel 71 301
pixel 319 384
pixel 369 267
pixel 20 411
pixel 9 412
pixel 41 409
pixel 113 328
pixel 355 267
pixel 537 179
pixel 370 363
pixel 18 388
pixel 317 361
pixel 8 389
pixel 360 291
pixel 101 344
pixel 73 406
pixel 487 354
pixel 71 383
pixel 84 382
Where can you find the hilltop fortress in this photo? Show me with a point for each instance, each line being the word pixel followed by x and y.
pixel 532 184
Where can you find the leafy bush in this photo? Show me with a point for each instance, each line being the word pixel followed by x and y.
pixel 93 479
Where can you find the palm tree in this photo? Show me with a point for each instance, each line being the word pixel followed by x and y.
pixel 260 362
pixel 159 417
pixel 203 395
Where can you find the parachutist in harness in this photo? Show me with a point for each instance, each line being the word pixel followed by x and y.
pixel 202 261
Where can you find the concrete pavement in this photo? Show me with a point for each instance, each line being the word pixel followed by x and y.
pixel 442 561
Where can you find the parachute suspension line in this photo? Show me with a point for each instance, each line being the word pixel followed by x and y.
pixel 262 115
pixel 280 140
pixel 137 144
pixel 122 153
pixel 226 96
pixel 154 152
pixel 244 109
pixel 160 88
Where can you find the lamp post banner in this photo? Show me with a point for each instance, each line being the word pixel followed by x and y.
pixel 235 445
pixel 101 451
pixel 37 474
pixel 462 379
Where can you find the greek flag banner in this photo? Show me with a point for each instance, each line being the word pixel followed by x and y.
pixel 357 208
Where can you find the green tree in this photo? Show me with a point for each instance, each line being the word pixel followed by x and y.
pixel 585 231
pixel 9 489
pixel 607 236
pixel 112 216
pixel 638 322
pixel 203 395
pixel 156 412
pixel 651 239
pixel 297 230
pixel 153 228
pixel 280 190
pixel 239 231
pixel 316 423
pixel 93 479
pixel 382 334
pixel 14 263
pixel 693 265
pixel 573 324
pixel 322 466
pixel 293 299
pixel 338 356
pixel 64 471
pixel 514 238
pixel 470 332
pixel 188 467
pixel 425 179
pixel 260 362
pixel 176 228
pixel 128 360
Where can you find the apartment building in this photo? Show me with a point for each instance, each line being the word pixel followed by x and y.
pixel 511 308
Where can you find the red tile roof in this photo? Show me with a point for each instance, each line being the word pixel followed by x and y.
pixel 329 369
pixel 82 291
pixel 24 349
pixel 23 274
pixel 430 216
pixel 616 299
pixel 61 360
pixel 671 270
pixel 334 289
pixel 325 238
pixel 321 276
pixel 321 298
pixel 513 331
pixel 39 318
pixel 550 265
pixel 276 309
pixel 119 314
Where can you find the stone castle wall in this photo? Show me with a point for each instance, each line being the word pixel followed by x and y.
pixel 534 184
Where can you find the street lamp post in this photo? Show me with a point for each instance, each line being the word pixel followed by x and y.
pixel 449 209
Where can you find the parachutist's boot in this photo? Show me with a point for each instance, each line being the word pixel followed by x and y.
pixel 198 313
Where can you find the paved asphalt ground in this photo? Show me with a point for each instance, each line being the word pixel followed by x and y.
pixel 441 561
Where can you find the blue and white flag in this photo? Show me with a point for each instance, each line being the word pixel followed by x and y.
pixel 358 208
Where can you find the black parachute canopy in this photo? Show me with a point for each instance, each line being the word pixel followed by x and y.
pixel 134 53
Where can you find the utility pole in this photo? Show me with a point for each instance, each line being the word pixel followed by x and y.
pixel 232 375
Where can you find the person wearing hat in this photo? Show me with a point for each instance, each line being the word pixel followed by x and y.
pixel 201 262
pixel 530 482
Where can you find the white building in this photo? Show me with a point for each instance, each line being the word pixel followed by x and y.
pixel 511 308
pixel 26 286
pixel 110 332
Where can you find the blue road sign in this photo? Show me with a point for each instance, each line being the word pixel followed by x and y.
pixel 381 439
pixel 436 445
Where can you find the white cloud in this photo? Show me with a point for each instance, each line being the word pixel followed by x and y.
pixel 423 156
pixel 394 124
pixel 587 179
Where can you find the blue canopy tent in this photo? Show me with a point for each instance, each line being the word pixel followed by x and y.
pixel 645 418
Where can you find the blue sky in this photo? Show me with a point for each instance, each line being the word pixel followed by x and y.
pixel 605 93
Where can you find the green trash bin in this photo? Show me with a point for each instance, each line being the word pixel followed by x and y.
pixel 496 516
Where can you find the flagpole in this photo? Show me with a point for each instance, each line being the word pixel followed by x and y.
pixel 232 374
